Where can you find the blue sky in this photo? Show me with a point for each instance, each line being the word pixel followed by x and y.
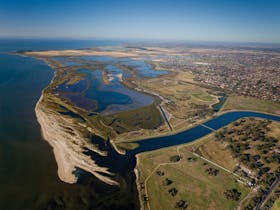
pixel 206 20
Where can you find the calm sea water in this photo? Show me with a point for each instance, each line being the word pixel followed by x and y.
pixel 8 45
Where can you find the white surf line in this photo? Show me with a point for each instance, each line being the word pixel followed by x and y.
pixel 205 126
pixel 241 179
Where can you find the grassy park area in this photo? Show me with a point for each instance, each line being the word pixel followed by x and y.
pixel 238 102
pixel 200 176
pixel 192 181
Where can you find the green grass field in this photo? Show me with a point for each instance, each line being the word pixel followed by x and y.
pixel 236 102
pixel 148 117
pixel 199 189
pixel 216 151
pixel 276 205
pixel 203 97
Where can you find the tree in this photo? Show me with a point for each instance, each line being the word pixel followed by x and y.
pixel 212 171
pixel 167 182
pixel 160 173
pixel 191 159
pixel 181 204
pixel 232 194
pixel 173 191
pixel 175 158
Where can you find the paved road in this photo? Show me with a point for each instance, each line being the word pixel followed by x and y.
pixel 165 117
pixel 266 195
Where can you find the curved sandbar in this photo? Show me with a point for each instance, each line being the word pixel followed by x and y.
pixel 69 144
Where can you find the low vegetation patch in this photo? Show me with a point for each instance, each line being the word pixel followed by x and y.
pixel 173 191
pixel 175 158
pixel 167 182
pixel 212 171
pixel 181 204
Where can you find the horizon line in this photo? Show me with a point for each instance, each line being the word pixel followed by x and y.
pixel 159 40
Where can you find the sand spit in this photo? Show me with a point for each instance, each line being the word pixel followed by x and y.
pixel 68 144
pixel 51 53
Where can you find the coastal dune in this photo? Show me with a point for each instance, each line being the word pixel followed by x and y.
pixel 69 144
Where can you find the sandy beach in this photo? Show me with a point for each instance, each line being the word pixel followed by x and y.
pixel 68 147
pixel 51 53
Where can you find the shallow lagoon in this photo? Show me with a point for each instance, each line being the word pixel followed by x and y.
pixel 92 94
pixel 142 68
pixel 110 98
pixel 105 94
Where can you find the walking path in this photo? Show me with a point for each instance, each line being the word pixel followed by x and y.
pixel 156 168
pixel 240 179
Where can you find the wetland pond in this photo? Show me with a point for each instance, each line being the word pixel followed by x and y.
pixel 93 94
pixel 222 99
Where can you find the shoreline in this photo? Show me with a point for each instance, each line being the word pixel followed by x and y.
pixel 68 148
pixel 64 170
pixel 137 180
